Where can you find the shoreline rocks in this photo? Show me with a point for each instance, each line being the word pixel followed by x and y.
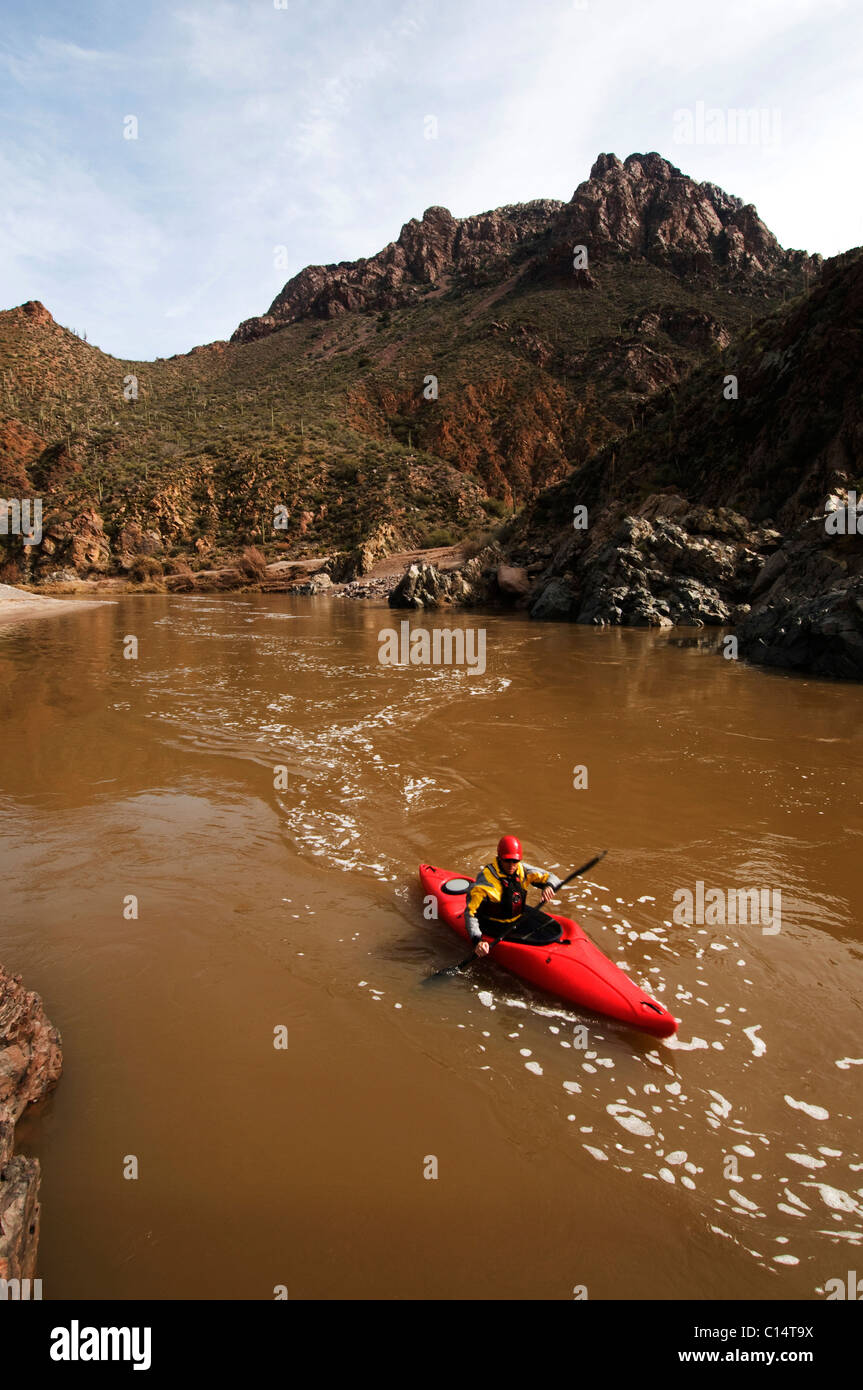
pixel 670 564
pixel 807 608
pixel 470 585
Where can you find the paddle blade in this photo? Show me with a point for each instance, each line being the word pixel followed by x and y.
pixel 449 970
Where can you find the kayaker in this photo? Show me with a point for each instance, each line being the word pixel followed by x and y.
pixel 497 902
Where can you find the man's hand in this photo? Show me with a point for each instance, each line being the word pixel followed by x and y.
pixel 482 948
pixel 547 895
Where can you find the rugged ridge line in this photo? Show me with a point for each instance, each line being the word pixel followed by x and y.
pixel 643 206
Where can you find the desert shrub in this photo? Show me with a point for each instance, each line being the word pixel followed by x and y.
pixel 146 567
pixel 496 506
pixel 178 566
pixel 442 535
pixel 252 563
pixel 10 571
pixel 477 541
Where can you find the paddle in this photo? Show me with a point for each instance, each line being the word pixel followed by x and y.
pixel 473 957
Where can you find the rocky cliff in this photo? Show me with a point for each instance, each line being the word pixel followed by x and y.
pixel 30 1065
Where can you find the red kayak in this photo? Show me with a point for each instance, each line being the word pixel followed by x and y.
pixel 572 968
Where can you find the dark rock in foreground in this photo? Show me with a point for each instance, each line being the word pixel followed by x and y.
pixel 30 1064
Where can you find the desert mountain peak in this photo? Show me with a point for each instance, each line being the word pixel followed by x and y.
pixel 642 206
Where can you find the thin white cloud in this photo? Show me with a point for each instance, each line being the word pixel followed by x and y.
pixel 48 61
pixel 304 127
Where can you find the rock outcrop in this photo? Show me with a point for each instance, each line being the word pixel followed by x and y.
pixel 425 586
pixel 645 207
pixel 78 542
pixel 673 564
pixel 384 540
pixel 30 1065
pixel 670 563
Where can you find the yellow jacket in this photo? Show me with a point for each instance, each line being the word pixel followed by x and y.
pixel 490 887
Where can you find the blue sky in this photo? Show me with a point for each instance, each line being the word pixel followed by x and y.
pixel 304 127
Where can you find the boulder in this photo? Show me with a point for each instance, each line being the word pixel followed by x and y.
pixel 513 581
pixel 316 584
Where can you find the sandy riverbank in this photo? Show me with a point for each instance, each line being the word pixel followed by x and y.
pixel 18 604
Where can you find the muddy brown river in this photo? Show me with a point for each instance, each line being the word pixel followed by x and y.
pixel 212 847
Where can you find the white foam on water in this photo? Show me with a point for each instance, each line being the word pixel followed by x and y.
pixel 816 1112
pixel 792 1197
pixel 836 1199
pixel 631 1120
pixel 744 1201
pixel 414 788
pixel 845 1062
pixel 759 1046
pixel 596 1153
pixel 534 1067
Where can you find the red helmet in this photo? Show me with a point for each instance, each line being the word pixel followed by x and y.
pixel 509 847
